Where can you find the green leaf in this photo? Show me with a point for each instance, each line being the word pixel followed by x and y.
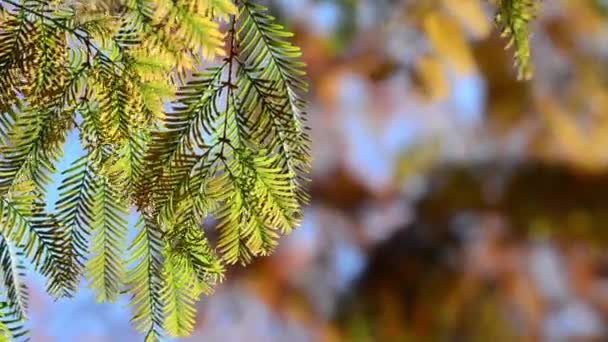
pixel 12 271
pixel 76 212
pixel 106 269
pixel 513 18
pixel 144 279
pixel 179 294
pixel 273 84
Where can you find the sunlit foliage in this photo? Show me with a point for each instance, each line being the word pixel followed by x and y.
pixel 185 109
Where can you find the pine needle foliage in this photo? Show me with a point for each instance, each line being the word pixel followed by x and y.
pixel 185 109
pixel 513 17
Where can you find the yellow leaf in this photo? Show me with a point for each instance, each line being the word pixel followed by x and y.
pixel 448 41
pixel 431 78
pixel 471 15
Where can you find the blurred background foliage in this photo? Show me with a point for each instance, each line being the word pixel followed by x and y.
pixel 450 201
